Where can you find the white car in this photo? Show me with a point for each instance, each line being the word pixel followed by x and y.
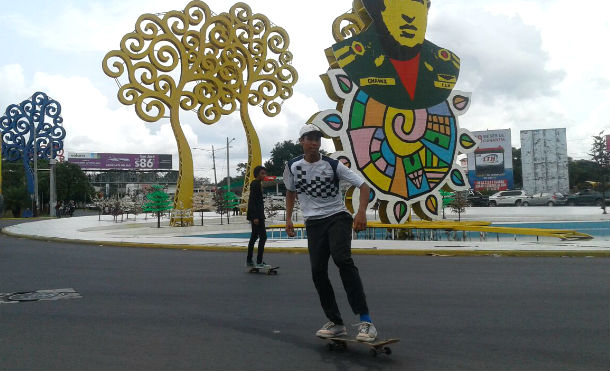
pixel 510 198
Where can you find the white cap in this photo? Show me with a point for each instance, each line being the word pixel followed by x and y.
pixel 308 129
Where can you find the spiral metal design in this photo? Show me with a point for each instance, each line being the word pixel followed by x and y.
pixel 32 128
pixel 206 62
pixel 212 64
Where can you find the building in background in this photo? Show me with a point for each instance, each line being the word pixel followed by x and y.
pixel 544 160
pixel 608 143
pixel 490 166
pixel 123 173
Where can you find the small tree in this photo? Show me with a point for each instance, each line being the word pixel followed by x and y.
pixel 601 156
pixel 232 201
pixel 459 204
pixel 159 202
pixel 241 168
pixel 220 202
pixel 375 207
pixel 272 207
pixel 203 201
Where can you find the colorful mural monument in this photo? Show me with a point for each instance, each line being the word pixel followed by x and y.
pixel 396 116
pixel 211 64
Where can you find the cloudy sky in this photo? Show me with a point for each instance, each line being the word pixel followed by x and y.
pixel 529 65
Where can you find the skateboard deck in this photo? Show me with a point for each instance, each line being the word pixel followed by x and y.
pixel 269 270
pixel 376 347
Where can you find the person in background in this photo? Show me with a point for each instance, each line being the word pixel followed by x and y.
pixel 256 216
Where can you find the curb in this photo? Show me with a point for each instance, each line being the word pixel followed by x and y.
pixel 302 250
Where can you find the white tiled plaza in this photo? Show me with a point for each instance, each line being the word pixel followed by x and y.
pixel 143 232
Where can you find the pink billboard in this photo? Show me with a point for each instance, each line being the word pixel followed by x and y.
pixel 121 161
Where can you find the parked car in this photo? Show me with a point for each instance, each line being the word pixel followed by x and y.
pixel 476 198
pixel 512 198
pixel 586 197
pixel 545 199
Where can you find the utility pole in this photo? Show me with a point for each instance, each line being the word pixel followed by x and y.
pixel 228 182
pixel 52 190
pixel 228 168
pixel 216 180
pixel 214 167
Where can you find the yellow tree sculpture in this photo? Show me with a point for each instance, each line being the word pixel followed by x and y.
pixel 210 64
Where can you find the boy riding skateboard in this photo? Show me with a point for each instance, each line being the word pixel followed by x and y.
pixel 315 179
pixel 256 216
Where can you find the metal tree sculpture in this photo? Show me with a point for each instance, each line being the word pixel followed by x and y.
pixel 211 64
pixel 32 128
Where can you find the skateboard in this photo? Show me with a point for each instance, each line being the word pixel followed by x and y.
pixel 376 347
pixel 268 270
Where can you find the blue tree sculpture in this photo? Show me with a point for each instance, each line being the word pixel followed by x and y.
pixel 40 115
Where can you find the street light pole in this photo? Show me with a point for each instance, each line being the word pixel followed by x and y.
pixel 35 211
pixel 228 176
pixel 228 169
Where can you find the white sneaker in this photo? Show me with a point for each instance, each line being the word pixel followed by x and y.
pixel 366 332
pixel 330 329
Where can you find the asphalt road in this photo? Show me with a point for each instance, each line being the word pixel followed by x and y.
pixel 170 309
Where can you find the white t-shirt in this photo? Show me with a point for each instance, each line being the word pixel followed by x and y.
pixel 316 186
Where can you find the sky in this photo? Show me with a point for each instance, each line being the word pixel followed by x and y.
pixel 533 64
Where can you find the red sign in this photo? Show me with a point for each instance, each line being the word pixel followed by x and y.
pixel 269 178
pixel 491 185
pixel 608 143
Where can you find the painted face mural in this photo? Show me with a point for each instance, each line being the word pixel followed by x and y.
pixel 406 21
pixel 387 126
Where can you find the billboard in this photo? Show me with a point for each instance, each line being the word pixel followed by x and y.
pixel 544 159
pixel 490 166
pixel 120 161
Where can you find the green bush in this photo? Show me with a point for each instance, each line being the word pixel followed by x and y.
pixel 15 199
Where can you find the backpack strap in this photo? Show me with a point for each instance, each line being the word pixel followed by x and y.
pixel 333 164
pixel 290 162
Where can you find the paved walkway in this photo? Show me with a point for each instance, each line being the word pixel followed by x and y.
pixel 143 232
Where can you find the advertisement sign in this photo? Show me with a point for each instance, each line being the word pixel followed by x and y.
pixel 121 161
pixel 544 161
pixel 490 166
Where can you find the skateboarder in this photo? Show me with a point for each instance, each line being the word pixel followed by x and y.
pixel 315 179
pixel 256 216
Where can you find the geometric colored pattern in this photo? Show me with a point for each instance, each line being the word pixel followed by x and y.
pixel 318 187
pixel 406 156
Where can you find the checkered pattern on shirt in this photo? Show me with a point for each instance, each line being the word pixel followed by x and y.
pixel 317 187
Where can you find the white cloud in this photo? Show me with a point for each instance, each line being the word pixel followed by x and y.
pixel 90 124
pixel 530 64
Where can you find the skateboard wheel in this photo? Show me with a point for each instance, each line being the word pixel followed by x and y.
pixel 387 350
pixel 373 353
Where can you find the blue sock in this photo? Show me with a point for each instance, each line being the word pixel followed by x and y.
pixel 366 318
